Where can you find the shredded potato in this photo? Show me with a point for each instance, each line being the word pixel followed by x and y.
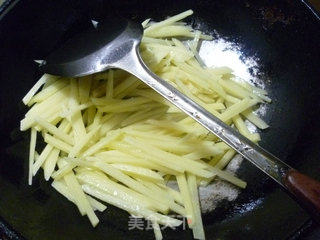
pixel 111 138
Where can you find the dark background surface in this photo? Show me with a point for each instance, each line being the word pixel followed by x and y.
pixel 283 34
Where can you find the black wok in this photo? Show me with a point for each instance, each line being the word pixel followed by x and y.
pixel 282 36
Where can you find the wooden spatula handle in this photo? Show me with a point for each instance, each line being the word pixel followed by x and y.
pixel 306 190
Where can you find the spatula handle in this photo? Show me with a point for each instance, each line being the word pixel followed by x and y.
pixel 261 158
pixel 306 190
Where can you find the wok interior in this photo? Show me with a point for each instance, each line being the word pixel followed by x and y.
pixel 282 38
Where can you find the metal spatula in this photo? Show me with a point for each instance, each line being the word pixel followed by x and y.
pixel 115 44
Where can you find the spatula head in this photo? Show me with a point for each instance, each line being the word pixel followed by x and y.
pixel 98 48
